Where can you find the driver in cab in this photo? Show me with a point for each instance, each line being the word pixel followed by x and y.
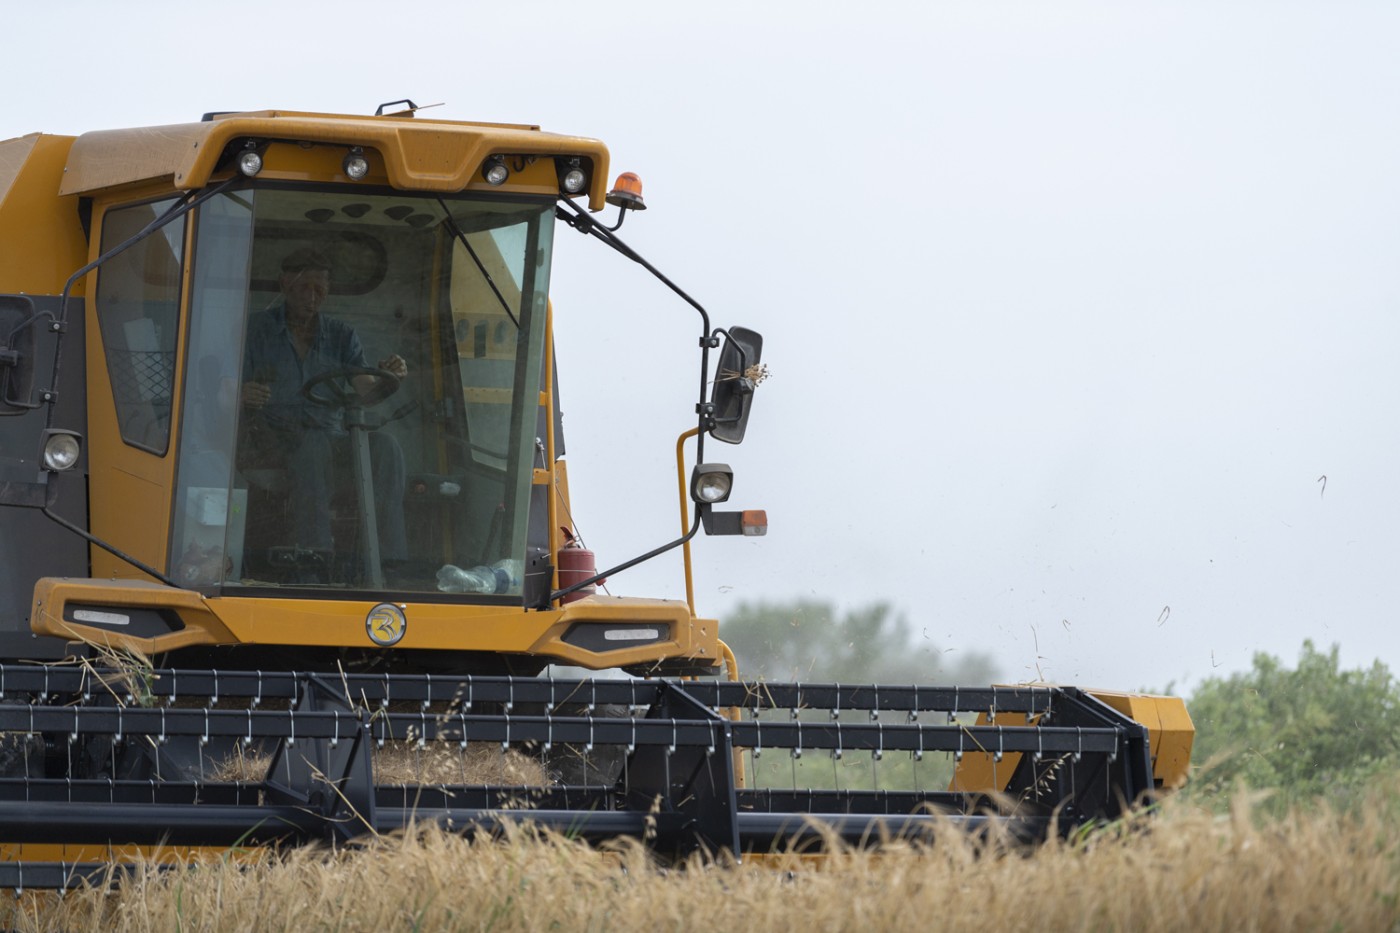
pixel 290 344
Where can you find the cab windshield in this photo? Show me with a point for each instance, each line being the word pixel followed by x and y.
pixel 361 392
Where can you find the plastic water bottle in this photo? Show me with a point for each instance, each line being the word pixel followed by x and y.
pixel 453 579
pixel 501 577
pixel 508 574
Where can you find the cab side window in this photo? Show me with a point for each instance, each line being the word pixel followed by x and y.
pixel 138 303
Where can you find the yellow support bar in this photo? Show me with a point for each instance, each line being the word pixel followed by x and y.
pixel 685 515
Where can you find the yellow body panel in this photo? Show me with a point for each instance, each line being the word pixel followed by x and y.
pixel 72 853
pixel 1170 734
pixel 53 594
pixel 416 154
pixel 335 623
pixel 324 163
pixel 1170 727
pixel 126 483
pixel 44 241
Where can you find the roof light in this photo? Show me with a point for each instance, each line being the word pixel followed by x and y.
pixel 250 161
pixel 573 178
pixel 494 170
pixel 355 166
pixel 626 193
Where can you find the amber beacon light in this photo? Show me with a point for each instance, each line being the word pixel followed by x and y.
pixel 627 192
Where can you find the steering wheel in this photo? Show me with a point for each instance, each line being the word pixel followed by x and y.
pixel 335 388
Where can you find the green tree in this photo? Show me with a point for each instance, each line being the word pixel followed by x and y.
pixel 807 640
pixel 1313 732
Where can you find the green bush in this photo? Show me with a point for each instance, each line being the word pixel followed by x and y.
pixel 1313 733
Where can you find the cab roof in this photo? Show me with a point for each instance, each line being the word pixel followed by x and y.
pixel 419 154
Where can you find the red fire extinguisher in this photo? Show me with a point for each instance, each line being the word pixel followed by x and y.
pixel 576 564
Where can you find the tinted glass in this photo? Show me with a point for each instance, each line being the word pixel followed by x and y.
pixel 362 392
pixel 138 302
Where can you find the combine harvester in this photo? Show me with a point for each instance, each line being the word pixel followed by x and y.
pixel 282 475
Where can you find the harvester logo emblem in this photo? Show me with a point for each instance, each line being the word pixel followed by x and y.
pixel 386 624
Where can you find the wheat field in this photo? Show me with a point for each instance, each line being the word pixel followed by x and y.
pixel 1185 868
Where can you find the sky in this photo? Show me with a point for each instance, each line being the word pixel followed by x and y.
pixel 1081 317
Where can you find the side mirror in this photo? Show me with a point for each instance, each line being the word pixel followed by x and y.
pixel 17 339
pixel 739 372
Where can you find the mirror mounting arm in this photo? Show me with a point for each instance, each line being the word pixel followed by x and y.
pixel 706 411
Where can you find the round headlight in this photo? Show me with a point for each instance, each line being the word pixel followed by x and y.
pixel 61 452
pixel 249 162
pixel 495 172
pixel 356 166
pixel 574 180
pixel 714 487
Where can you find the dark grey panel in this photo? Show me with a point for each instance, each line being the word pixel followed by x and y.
pixel 125 620
pixel 32 546
pixel 614 636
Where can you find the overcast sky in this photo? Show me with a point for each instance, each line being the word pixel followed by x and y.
pixel 1069 306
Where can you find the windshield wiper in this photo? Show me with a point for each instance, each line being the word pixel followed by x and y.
pixel 456 231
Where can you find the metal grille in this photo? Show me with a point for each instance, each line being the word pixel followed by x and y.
pixel 141 375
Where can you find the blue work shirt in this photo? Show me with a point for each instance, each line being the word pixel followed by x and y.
pixel 271 358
